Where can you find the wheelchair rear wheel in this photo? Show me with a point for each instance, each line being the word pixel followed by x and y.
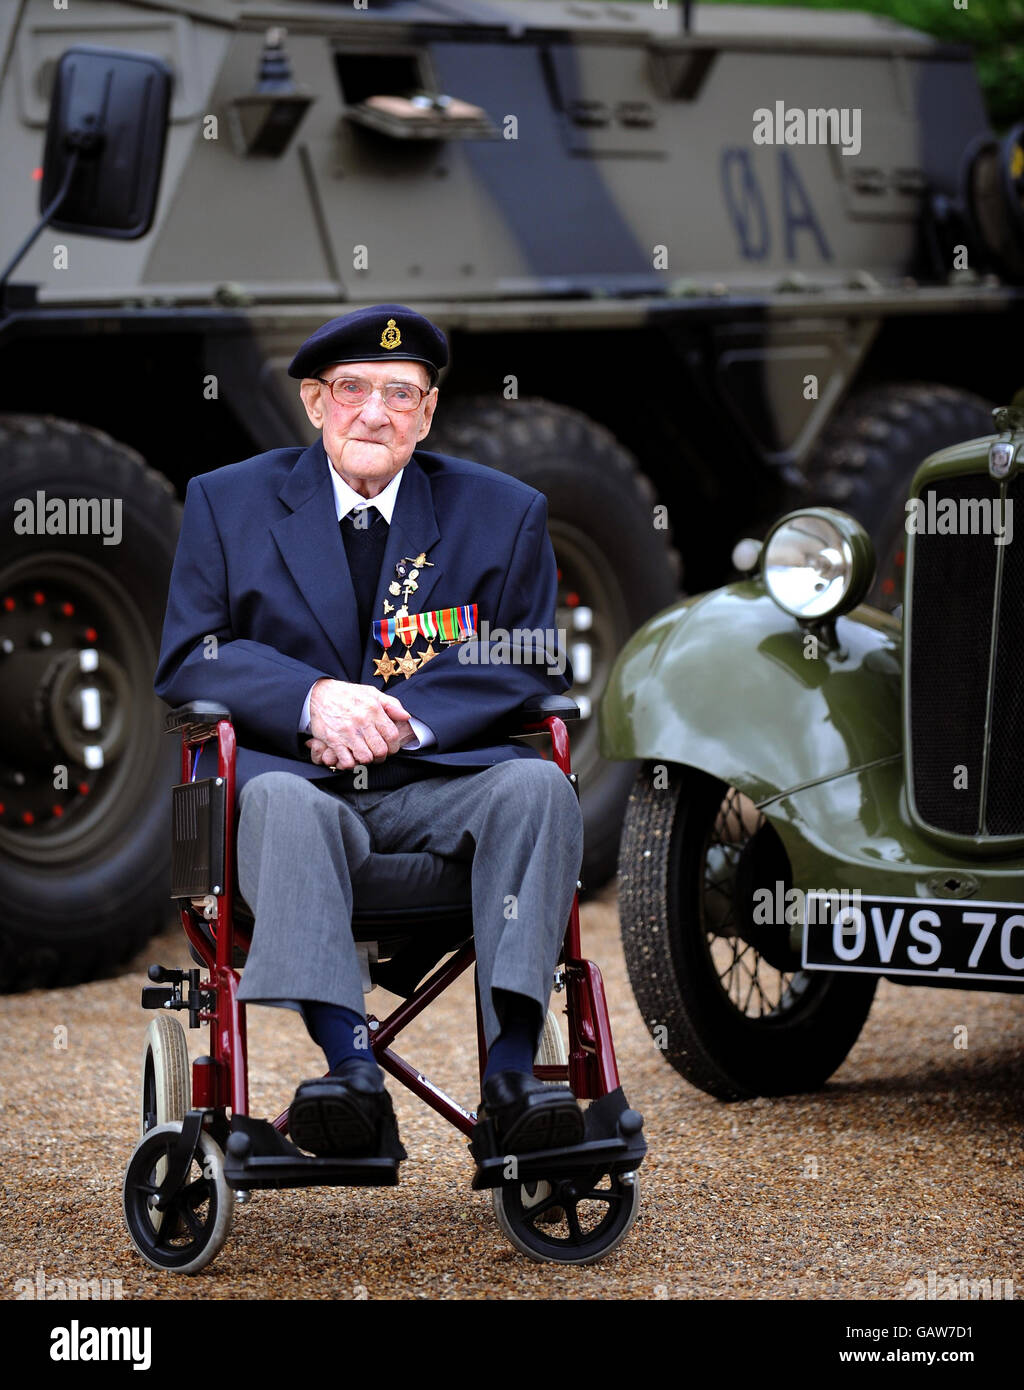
pixel 595 1212
pixel 166 1088
pixel 551 1050
pixel 166 1092
pixel 194 1226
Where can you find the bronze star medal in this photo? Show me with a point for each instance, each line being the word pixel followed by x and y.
pixel 385 667
pixel 407 664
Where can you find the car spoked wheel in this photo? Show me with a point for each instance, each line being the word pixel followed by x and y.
pixel 83 770
pixel 702 876
pixel 190 1230
pixel 752 961
pixel 593 1213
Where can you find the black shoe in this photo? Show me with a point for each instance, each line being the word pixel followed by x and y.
pixel 346 1114
pixel 528 1114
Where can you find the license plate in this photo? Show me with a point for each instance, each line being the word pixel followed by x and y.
pixel 959 940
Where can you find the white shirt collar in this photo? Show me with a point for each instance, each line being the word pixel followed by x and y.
pixel 345 498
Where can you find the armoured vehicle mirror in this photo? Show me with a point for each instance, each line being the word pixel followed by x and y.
pixel 105 142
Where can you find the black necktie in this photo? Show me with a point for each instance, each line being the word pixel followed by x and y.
pixel 365 534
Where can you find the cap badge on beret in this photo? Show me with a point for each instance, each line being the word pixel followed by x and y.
pixel 377 333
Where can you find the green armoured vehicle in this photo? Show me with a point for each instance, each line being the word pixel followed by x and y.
pixel 694 266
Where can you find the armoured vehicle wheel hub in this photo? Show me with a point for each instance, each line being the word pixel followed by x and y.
pixel 68 643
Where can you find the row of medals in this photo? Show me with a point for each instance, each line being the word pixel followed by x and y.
pixel 405 583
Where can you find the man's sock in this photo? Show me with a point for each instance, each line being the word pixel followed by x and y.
pixel 514 1047
pixel 341 1032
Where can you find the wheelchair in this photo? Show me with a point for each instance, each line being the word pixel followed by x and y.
pixel 200 1150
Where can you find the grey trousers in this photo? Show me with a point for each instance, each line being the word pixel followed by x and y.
pixel 518 822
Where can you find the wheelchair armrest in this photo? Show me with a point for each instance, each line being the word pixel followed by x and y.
pixel 540 707
pixel 197 720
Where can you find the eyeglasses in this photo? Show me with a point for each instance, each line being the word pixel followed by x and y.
pixel 356 390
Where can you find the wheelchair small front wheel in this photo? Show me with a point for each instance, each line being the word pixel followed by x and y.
pixel 593 1213
pixel 193 1227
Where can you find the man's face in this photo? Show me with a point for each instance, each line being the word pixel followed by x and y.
pixel 368 444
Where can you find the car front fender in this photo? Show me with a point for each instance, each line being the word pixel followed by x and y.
pixel 728 683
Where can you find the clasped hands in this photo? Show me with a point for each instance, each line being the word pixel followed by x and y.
pixel 353 724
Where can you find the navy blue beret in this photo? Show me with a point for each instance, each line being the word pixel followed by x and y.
pixel 380 333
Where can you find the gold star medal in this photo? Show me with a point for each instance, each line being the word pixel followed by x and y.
pixel 385 667
pixel 383 631
pixel 406 627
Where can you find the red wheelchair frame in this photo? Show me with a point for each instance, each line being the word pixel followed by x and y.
pixel 591 1069
pixel 163 1201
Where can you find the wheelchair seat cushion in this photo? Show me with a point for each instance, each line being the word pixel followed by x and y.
pixel 417 907
pixel 409 882
pixel 402 885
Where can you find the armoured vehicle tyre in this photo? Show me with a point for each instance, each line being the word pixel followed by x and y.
pixel 689 850
pixel 870 451
pixel 601 522
pixel 83 852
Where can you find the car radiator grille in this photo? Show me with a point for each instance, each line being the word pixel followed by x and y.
pixel 963 783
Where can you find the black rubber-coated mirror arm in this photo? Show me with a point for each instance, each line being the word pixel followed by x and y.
pixel 77 146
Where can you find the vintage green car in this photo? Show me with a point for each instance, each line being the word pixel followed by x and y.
pixel 828 794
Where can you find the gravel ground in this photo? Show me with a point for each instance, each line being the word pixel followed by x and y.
pixel 907 1164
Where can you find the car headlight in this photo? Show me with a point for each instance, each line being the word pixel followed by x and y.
pixel 817 563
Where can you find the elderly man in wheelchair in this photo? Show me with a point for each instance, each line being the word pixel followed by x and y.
pixel 357 835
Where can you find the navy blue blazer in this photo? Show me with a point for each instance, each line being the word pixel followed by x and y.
pixel 261 566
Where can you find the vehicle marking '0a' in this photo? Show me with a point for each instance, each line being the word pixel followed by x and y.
pixel 748 211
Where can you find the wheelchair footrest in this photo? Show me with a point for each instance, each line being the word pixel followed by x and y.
pixel 612 1140
pixel 258 1156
